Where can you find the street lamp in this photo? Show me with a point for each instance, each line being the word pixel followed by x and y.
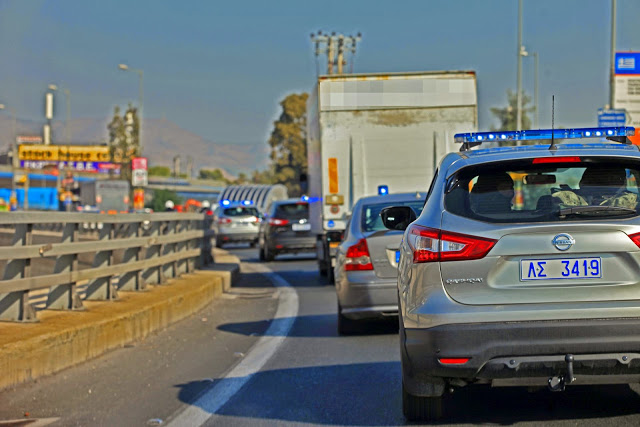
pixel 125 67
pixel 14 152
pixel 67 95
pixel 519 77
pixel 524 52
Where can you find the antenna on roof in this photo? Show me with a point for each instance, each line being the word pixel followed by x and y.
pixel 553 103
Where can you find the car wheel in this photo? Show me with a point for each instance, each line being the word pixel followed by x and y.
pixel 322 268
pixel 419 408
pixel 219 243
pixel 261 254
pixel 347 326
pixel 268 255
pixel 253 244
pixel 330 275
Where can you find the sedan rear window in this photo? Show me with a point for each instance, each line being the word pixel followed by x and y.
pixel 371 220
pixel 297 210
pixel 241 211
pixel 545 192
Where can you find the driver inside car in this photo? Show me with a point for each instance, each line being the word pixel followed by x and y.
pixel 600 186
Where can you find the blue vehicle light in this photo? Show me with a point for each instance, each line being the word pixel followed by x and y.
pixel 225 203
pixel 305 198
pixel 247 202
pixel 331 223
pixel 544 134
pixel 383 190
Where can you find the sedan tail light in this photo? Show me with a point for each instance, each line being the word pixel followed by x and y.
pixel 430 245
pixel 358 257
pixel 278 221
pixel 224 220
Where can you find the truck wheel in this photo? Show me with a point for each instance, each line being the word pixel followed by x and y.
pixel 347 326
pixel 322 268
pixel 419 408
pixel 330 275
pixel 218 243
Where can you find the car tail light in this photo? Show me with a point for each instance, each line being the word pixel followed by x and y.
pixel 278 221
pixel 208 212
pixel 358 257
pixel 454 361
pixel 224 221
pixel 429 245
pixel 635 238
pixel 565 159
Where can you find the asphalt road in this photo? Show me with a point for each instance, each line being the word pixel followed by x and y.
pixel 233 365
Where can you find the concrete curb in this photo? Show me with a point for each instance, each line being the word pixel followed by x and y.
pixel 62 339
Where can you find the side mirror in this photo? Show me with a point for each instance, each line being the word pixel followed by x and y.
pixel 397 217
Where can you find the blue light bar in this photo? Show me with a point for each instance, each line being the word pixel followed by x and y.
pixel 225 203
pixel 538 134
pixel 247 202
pixel 383 190
pixel 305 198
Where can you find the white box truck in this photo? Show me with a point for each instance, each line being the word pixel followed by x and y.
pixel 368 132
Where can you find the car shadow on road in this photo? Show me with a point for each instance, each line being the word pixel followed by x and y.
pixel 297 279
pixel 362 394
pixel 312 326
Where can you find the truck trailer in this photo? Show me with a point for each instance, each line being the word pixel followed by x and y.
pixel 373 134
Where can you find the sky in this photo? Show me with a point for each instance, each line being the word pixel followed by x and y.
pixel 219 68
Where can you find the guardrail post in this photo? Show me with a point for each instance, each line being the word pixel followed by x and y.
pixel 206 254
pixel 102 288
pixel 169 270
pixel 181 264
pixel 191 244
pixel 133 280
pixel 65 297
pixel 15 305
pixel 153 275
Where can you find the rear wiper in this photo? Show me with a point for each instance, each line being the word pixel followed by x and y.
pixel 596 211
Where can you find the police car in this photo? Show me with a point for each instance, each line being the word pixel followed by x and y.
pixel 523 268
pixel 237 222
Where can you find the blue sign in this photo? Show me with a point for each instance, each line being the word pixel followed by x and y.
pixel 627 62
pixel 612 118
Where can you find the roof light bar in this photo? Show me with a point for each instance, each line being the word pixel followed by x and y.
pixel 476 138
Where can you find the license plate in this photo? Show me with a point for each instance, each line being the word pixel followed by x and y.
pixel 562 268
pixel 301 227
pixel 397 257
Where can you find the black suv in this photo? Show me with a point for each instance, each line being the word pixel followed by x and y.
pixel 286 229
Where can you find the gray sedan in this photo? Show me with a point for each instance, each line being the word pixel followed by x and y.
pixel 367 260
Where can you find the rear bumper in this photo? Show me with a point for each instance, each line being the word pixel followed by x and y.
pixel 245 236
pixel 292 244
pixel 523 353
pixel 362 294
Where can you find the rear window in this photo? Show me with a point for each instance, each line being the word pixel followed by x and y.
pixel 241 211
pixel 371 220
pixel 292 211
pixel 585 188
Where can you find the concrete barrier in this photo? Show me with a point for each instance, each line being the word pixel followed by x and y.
pixel 63 338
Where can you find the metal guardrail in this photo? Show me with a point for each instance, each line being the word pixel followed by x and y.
pixel 152 248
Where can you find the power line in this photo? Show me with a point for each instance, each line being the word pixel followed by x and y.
pixel 337 48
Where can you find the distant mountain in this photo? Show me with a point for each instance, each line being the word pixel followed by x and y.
pixel 162 140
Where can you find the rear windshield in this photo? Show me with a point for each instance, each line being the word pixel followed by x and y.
pixel 545 192
pixel 240 211
pixel 371 220
pixel 292 211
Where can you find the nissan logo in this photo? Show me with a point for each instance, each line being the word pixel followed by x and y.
pixel 563 241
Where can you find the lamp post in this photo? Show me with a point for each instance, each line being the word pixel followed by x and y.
pixel 523 52
pixel 14 153
pixel 125 67
pixel 612 71
pixel 519 79
pixel 67 95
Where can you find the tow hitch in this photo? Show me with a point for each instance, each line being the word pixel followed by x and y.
pixel 558 383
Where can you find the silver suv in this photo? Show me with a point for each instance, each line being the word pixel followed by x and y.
pixel 523 268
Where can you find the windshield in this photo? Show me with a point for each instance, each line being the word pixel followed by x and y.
pixel 371 220
pixel 297 210
pixel 545 192
pixel 241 211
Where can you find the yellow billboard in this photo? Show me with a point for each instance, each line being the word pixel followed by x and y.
pixel 72 153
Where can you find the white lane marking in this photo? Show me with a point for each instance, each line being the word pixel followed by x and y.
pixel 198 412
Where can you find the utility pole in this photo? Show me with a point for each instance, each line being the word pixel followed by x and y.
pixel 67 123
pixel 535 88
pixel 612 70
pixel 519 79
pixel 337 47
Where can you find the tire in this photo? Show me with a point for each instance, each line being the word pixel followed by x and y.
pixel 322 268
pixel 252 244
pixel 418 408
pixel 330 275
pixel 268 255
pixel 219 243
pixel 261 254
pixel 347 326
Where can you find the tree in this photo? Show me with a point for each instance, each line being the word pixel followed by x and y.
pixel 160 197
pixel 159 171
pixel 124 140
pixel 262 177
pixel 288 143
pixel 507 116
pixel 212 174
